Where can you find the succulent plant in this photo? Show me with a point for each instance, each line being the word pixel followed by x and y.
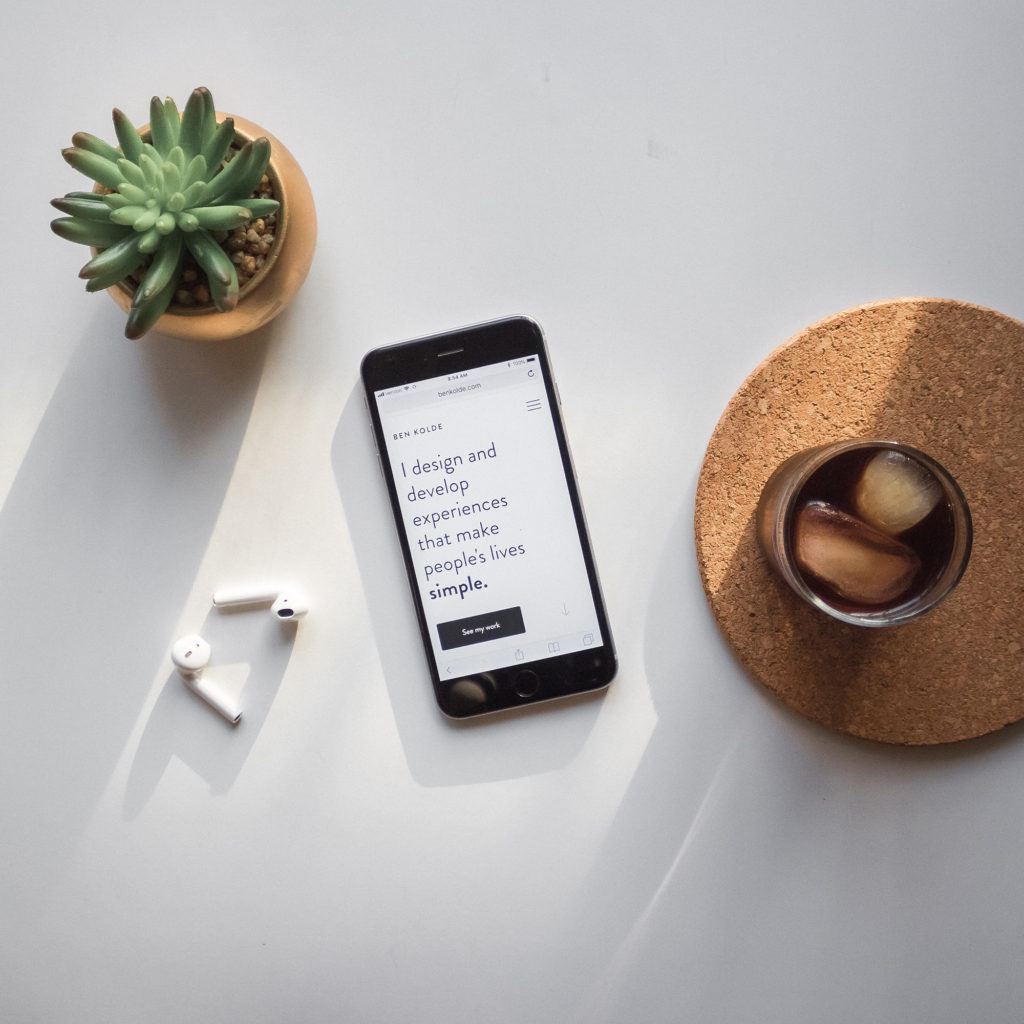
pixel 165 195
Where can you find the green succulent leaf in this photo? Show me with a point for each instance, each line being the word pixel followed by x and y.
pixel 163 271
pixel 127 215
pixel 127 136
pixel 197 194
pixel 150 241
pixel 195 171
pixel 172 177
pixel 91 208
pixel 89 232
pixel 115 200
pixel 177 158
pixel 101 284
pixel 93 166
pixel 221 218
pixel 135 195
pixel 211 257
pixel 259 207
pixel 131 172
pixel 225 299
pixel 153 171
pixel 93 144
pixel 142 318
pixel 238 179
pixel 122 258
pixel 210 120
pixel 220 271
pixel 164 124
pixel 107 279
pixel 218 144
pixel 193 123
pixel 146 220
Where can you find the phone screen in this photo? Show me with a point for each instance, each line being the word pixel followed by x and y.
pixel 493 532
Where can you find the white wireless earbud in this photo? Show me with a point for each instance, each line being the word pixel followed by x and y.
pixel 191 654
pixel 290 604
pixel 285 603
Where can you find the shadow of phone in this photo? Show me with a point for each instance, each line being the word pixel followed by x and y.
pixel 439 751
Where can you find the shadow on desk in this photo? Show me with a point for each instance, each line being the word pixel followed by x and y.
pixel 251 650
pixel 439 752
pixel 101 536
pixel 735 791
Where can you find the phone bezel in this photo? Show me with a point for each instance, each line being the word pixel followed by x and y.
pixel 420 359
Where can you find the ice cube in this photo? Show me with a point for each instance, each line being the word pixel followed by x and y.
pixel 856 561
pixel 895 492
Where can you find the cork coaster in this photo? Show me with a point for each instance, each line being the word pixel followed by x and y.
pixel 943 376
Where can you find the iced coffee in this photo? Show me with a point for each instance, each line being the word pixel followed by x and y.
pixel 871 532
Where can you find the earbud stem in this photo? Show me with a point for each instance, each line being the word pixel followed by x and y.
pixel 231 714
pixel 229 596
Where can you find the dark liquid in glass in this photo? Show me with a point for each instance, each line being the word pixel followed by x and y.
pixel 932 538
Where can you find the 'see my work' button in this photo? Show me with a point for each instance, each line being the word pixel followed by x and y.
pixel 476 629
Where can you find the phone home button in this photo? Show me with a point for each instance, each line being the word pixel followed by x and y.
pixel 526 683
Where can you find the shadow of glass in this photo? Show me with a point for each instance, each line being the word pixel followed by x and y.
pixel 100 538
pixel 707 726
pixel 439 752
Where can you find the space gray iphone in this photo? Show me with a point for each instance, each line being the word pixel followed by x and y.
pixel 474 455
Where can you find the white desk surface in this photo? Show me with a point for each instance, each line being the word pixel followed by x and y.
pixel 671 190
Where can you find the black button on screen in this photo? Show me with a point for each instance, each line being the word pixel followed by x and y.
pixel 477 629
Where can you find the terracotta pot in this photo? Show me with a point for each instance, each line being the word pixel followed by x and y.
pixel 281 276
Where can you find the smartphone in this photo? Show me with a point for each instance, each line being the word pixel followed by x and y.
pixel 474 455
